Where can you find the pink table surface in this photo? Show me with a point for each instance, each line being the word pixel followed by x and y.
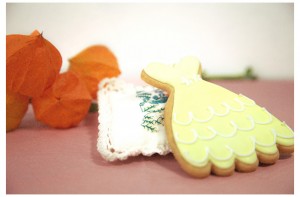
pixel 45 160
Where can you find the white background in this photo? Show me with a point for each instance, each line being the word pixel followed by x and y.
pixel 226 37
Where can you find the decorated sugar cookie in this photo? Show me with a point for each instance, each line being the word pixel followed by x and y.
pixel 211 129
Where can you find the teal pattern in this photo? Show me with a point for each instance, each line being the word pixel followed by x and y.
pixel 153 106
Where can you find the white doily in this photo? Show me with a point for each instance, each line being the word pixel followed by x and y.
pixel 130 120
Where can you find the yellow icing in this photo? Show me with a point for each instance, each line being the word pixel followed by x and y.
pixel 211 123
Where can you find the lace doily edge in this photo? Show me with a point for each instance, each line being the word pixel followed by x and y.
pixel 104 147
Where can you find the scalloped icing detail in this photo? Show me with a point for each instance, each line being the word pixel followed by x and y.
pixel 266 120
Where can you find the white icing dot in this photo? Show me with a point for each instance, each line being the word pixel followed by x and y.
pixel 190 80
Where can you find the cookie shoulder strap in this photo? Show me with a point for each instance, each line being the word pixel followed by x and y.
pixel 165 73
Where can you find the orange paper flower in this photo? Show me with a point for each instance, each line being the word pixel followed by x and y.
pixel 32 63
pixel 93 64
pixel 16 107
pixel 64 104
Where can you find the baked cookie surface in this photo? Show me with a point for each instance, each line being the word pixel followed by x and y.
pixel 211 129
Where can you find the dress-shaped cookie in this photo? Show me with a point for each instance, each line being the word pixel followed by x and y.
pixel 211 129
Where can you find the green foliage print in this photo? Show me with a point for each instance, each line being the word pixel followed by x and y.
pixel 153 105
